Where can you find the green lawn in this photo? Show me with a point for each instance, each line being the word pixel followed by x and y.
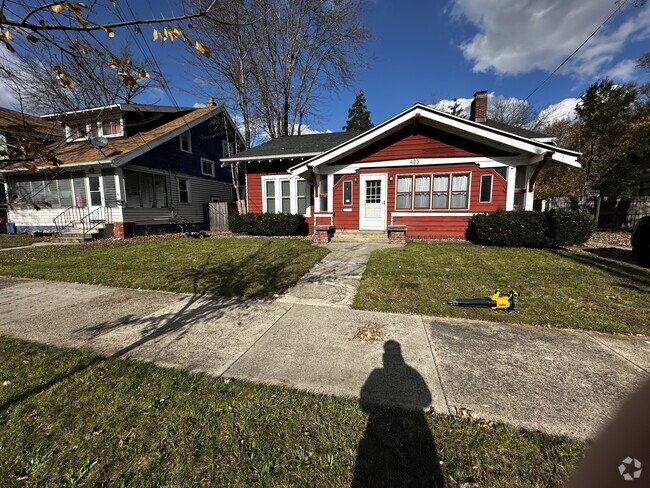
pixel 256 268
pixel 7 240
pixel 559 288
pixel 70 418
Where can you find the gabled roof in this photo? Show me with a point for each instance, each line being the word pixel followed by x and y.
pixel 12 121
pixel 308 145
pixel 423 114
pixel 121 150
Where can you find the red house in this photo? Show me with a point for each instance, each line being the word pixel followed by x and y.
pixel 420 173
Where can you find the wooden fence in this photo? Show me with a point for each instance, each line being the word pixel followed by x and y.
pixel 216 215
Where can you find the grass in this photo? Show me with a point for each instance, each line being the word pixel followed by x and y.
pixel 249 268
pixel 559 288
pixel 70 418
pixel 7 241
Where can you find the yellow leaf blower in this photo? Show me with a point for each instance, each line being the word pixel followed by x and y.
pixel 499 301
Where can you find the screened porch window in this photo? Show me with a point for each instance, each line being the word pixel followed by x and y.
pixel 145 190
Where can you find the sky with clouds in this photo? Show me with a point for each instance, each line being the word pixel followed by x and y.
pixel 429 51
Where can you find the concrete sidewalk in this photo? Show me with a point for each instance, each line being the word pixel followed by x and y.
pixel 557 381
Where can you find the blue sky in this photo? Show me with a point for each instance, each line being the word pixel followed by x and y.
pixel 426 51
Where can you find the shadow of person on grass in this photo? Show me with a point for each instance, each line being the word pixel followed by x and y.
pixel 397 448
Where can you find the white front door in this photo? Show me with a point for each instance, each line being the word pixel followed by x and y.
pixel 372 212
pixel 95 191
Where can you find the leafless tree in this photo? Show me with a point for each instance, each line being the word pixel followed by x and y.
pixel 281 54
pixel 32 80
pixel 516 113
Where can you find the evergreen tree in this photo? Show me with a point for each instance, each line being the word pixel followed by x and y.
pixel 358 115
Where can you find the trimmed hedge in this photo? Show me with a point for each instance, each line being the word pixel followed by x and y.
pixel 267 224
pixel 529 229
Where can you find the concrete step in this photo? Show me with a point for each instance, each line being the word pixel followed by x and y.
pixel 360 236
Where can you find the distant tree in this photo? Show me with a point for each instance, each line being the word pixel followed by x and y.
pixel 358 115
pixel 612 122
pixel 562 180
pixel 516 113
pixel 455 109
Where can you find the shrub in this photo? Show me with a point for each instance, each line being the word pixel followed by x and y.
pixel 529 229
pixel 267 224
pixel 569 228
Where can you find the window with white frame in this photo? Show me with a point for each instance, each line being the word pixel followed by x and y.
pixel 184 195
pixel 96 128
pixel 207 167
pixel 285 195
pixel 186 141
pixel 323 193
pixel 520 188
pixel 432 191
pixel 228 149
pixel 486 189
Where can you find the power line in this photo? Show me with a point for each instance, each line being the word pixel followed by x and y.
pixel 568 58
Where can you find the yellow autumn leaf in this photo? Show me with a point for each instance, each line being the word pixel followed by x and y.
pixel 57 8
pixel 144 73
pixel 157 35
pixel 202 49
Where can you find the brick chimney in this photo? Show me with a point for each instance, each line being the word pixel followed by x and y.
pixel 478 110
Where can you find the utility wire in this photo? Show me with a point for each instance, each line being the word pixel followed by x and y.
pixel 568 58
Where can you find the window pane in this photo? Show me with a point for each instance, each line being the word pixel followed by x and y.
pixel 323 184
pixel 520 200
pixel 270 205
pixel 302 188
pixel 94 130
pixel 520 177
pixel 286 189
pixel 421 200
pixel 302 205
pixel 440 183
pixel 422 183
pixel 404 200
pixel 302 196
pixel 404 184
pixel 347 193
pixel 440 200
pixel 323 204
pixel 459 183
pixel 132 189
pixel 95 198
pixel 270 189
pixel 93 182
pixel 486 188
pixel 373 191
pixel 111 127
pixel 160 191
pixel 459 200
pixel 146 189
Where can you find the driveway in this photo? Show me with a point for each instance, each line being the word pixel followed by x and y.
pixel 557 381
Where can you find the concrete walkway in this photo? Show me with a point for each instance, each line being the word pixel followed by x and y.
pixel 333 281
pixel 565 382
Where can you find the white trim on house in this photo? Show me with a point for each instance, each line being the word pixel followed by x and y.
pixel 510 188
pixel 480 188
pixel 259 159
pixel 432 214
pixel 189 141
pixel 212 172
pixel 444 121
pixel 373 223
pixel 293 194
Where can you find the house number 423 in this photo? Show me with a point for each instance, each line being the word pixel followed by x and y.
pixel 415 161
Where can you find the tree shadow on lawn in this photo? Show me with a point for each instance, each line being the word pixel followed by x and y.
pixel 624 271
pixel 264 273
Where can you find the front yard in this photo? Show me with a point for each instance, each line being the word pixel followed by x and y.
pixel 558 288
pixel 250 268
pixel 70 418
pixel 7 241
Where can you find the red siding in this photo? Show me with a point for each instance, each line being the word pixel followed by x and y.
pixel 424 142
pixel 426 224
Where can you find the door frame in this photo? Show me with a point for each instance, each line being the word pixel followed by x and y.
pixel 97 175
pixel 362 199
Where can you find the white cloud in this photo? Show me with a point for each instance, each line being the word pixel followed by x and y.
pixel 623 71
pixel 307 129
pixel 199 105
pixel 8 61
pixel 444 105
pixel 516 36
pixel 565 109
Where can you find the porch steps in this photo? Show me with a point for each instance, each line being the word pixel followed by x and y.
pixel 379 236
pixel 75 234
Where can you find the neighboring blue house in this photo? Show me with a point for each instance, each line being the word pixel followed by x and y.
pixel 129 169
